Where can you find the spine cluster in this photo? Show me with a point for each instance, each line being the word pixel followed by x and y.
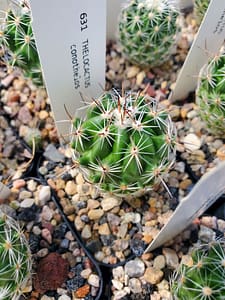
pixel 125 142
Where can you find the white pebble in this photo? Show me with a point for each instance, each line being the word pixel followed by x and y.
pixel 192 142
pixel 44 195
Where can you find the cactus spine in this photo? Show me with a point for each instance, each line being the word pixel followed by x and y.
pixel 18 44
pixel 15 259
pixel 125 142
pixel 204 276
pixel 210 95
pixel 200 8
pixel 148 31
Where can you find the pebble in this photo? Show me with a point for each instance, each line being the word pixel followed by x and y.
pixel 64 297
pixel 95 214
pixel 132 71
pixel 134 268
pixel 28 202
pixel 94 280
pixel 86 232
pixel 86 273
pixel 171 257
pixel 159 262
pixel 19 183
pixel 135 285
pixel 118 272
pixel 70 188
pixel 44 195
pixel 104 229
pixel 131 217
pixel 221 225
pixel 32 185
pixel 117 284
pixel 206 234
pixel 46 213
pixel 51 153
pixel 192 142
pixel 109 203
pixel 46 234
pixel 153 275
pixel 119 294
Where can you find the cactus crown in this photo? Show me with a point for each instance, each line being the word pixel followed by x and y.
pixel 210 94
pixel 200 8
pixel 15 259
pixel 204 276
pixel 147 31
pixel 125 142
pixel 17 41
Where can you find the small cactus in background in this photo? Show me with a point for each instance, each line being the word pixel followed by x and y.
pixel 210 95
pixel 15 259
pixel 200 8
pixel 203 277
pixel 17 42
pixel 125 142
pixel 148 31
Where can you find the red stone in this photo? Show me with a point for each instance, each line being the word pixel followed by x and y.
pixel 51 273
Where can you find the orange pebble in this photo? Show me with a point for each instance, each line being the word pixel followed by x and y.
pixel 82 291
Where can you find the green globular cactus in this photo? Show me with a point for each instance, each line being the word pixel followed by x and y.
pixel 200 8
pixel 204 276
pixel 210 95
pixel 124 142
pixel 148 31
pixel 17 41
pixel 15 259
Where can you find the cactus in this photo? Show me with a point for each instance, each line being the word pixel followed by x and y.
pixel 125 142
pixel 15 259
pixel 210 94
pixel 204 276
pixel 148 31
pixel 18 44
pixel 200 8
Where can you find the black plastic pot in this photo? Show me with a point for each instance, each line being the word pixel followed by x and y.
pixel 21 217
pixel 106 269
pixel 19 147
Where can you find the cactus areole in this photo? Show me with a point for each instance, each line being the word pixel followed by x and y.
pixel 148 31
pixel 124 143
pixel 15 259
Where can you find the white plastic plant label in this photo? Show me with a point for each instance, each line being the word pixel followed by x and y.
pixel 71 41
pixel 3 7
pixel 207 43
pixel 113 10
pixel 209 188
pixel 185 3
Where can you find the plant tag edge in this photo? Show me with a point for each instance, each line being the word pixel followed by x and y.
pixel 207 42
pixel 206 191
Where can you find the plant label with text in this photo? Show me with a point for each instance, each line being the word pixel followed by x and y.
pixel 71 42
